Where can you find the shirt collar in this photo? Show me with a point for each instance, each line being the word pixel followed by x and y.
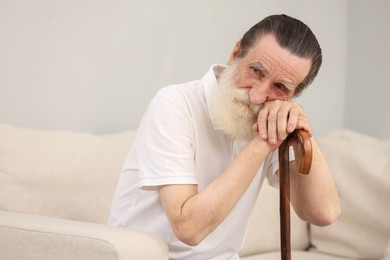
pixel 210 85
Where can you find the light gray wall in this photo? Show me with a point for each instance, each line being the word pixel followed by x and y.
pixel 93 65
pixel 368 68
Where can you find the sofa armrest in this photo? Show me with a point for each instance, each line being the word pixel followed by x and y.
pixel 25 236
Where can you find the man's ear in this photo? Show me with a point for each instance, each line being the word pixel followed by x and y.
pixel 234 53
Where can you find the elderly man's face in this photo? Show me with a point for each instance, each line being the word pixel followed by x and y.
pixel 267 72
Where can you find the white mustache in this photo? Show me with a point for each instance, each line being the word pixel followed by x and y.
pixel 242 97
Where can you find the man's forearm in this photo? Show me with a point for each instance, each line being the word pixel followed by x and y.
pixel 314 196
pixel 194 215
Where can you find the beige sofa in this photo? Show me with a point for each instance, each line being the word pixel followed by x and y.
pixel 56 188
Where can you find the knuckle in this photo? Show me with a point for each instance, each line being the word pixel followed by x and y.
pixel 282 115
pixel 261 119
pixel 272 118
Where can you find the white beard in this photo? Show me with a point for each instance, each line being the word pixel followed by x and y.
pixel 233 113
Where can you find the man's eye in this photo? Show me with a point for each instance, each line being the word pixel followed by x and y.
pixel 256 70
pixel 281 87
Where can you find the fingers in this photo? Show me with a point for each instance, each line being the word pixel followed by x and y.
pixel 277 119
pixel 262 122
pixel 303 123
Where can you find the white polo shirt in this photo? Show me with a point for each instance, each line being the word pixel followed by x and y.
pixel 177 143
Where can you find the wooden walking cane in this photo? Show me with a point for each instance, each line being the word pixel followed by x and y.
pixel 300 140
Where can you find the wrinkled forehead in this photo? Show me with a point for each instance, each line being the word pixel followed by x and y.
pixel 273 58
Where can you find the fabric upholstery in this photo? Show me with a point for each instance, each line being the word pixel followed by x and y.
pixel 387 252
pixel 361 168
pixel 60 174
pixel 295 255
pixel 31 237
pixel 65 176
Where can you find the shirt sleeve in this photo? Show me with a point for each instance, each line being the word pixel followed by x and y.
pixel 165 146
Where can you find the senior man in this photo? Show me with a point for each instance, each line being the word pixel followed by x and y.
pixel 204 148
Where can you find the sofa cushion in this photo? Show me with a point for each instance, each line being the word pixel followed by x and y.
pixel 361 166
pixel 60 174
pixel 263 234
pixel 296 255
pixel 31 237
pixel 387 252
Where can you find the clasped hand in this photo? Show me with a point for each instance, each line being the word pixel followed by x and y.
pixel 276 119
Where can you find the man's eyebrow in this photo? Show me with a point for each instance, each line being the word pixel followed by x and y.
pixel 291 87
pixel 260 66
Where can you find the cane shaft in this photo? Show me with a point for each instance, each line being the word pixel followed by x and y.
pixel 284 189
pixel 300 140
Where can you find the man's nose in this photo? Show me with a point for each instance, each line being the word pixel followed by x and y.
pixel 260 92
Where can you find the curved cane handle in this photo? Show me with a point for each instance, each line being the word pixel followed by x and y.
pixel 300 140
